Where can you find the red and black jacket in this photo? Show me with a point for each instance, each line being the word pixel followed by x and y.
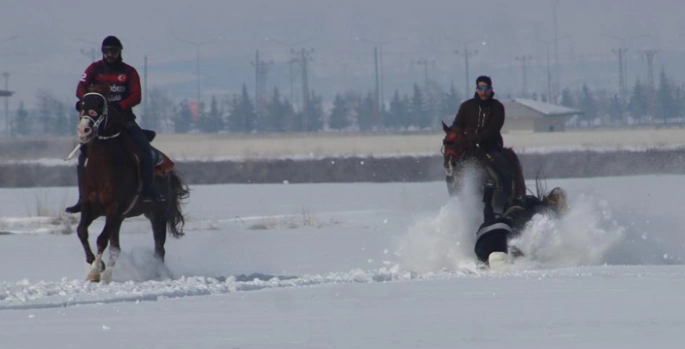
pixel 122 78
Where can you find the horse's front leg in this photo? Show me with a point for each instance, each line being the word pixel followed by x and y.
pixel 87 218
pixel 98 269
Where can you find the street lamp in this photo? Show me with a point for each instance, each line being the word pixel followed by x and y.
pixel 197 45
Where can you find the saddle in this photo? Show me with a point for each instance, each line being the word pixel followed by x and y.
pixel 161 163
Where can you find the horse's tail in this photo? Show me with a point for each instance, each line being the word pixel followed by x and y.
pixel 179 192
pixel 540 185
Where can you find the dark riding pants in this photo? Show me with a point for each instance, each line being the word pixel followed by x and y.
pixel 141 141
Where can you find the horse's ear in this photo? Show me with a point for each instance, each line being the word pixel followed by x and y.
pixel 445 127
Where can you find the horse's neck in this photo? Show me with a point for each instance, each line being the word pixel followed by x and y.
pixel 108 152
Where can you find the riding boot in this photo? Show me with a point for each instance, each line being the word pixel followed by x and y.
pixel 149 193
pixel 76 208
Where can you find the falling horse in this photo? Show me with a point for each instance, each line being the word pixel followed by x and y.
pixel 458 154
pixel 111 184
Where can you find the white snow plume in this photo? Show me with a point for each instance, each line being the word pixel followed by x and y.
pixel 583 236
pixel 444 242
pixel 138 264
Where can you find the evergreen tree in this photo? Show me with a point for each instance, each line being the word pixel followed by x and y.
pixel 211 122
pixel 183 118
pixel 567 99
pixel 315 115
pixel 588 104
pixel 398 114
pixel 417 110
pixel 339 118
pixel 272 118
pixel 366 112
pixel 23 123
pixel 665 103
pixel 242 113
pixel 451 102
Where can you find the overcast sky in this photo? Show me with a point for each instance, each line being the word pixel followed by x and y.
pixel 51 34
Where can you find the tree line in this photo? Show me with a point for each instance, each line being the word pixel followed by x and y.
pixel 422 109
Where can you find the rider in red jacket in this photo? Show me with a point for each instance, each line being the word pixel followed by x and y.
pixel 125 93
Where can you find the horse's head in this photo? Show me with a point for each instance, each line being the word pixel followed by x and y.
pixel 455 146
pixel 94 115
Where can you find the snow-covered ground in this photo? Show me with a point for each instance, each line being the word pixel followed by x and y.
pixel 352 266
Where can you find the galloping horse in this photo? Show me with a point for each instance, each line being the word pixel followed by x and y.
pixel 111 184
pixel 459 153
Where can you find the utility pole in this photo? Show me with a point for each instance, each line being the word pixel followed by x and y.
pixel 6 75
pixel 261 70
pixel 557 85
pixel 466 53
pixel 197 46
pixel 623 63
pixel 620 54
pixel 378 64
pixel 303 57
pixel 551 96
pixel 145 110
pixel 8 122
pixel 291 61
pixel 649 56
pixel 378 88
pixel 524 59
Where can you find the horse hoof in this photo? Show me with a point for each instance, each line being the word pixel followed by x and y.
pixel 93 277
pixel 106 276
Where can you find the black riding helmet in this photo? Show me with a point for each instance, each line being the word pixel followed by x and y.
pixel 112 41
pixel 111 44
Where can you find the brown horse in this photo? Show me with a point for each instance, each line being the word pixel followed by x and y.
pixel 459 153
pixel 111 184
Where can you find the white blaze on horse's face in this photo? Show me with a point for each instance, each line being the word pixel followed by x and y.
pixel 85 131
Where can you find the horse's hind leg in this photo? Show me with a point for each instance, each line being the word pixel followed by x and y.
pixel 158 220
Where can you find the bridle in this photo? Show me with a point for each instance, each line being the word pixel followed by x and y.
pixel 103 117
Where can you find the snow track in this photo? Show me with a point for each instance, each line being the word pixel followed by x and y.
pixel 66 293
